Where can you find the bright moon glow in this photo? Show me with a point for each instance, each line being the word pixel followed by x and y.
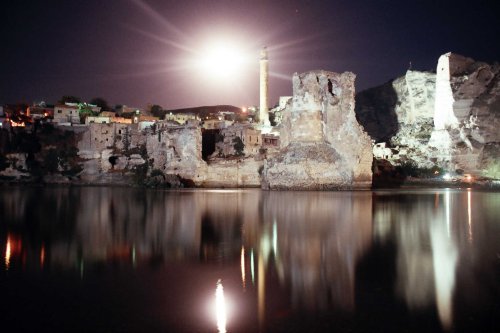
pixel 221 60
pixel 220 308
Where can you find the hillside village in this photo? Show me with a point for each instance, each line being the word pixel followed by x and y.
pixel 438 127
pixel 118 136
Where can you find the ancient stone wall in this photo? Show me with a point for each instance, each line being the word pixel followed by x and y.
pixel 238 172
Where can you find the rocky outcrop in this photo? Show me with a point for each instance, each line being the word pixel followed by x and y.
pixel 117 153
pixel 400 114
pixel 322 144
pixel 448 119
pixel 467 113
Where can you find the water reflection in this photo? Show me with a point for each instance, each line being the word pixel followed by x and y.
pixel 291 251
pixel 220 308
pixel 433 241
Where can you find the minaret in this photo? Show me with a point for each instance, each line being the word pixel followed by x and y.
pixel 264 86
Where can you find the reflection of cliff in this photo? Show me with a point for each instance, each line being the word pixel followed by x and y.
pixel 434 236
pixel 320 238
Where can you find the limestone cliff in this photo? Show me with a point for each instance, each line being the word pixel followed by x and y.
pixel 448 119
pixel 322 144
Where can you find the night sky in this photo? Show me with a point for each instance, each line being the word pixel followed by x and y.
pixel 136 52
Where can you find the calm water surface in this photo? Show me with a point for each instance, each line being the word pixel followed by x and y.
pixel 132 260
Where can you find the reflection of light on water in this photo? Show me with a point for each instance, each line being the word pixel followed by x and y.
pixel 243 277
pixel 42 256
pixel 447 209
pixel 8 253
pixel 444 258
pixel 252 267
pixel 220 307
pixel 275 238
pixel 12 248
pixel 469 214
pixel 134 258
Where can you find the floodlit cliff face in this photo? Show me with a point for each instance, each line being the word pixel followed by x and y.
pixel 467 114
pixel 401 113
pixel 449 119
pixel 322 144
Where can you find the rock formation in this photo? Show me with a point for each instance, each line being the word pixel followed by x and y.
pixel 401 114
pixel 111 152
pixel 322 144
pixel 448 119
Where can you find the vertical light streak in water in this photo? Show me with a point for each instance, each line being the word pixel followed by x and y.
pixel 133 257
pixel 8 252
pixel 469 214
pixel 252 267
pixel 275 238
pixel 261 290
pixel 447 210
pixel 444 260
pixel 220 308
pixel 243 276
pixel 42 256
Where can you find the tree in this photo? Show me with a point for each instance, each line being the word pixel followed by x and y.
pixel 100 102
pixel 69 99
pixel 238 146
pixel 157 111
pixel 85 110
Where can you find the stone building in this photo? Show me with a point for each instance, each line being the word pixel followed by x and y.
pixel 181 118
pixel 68 113
pixel 250 136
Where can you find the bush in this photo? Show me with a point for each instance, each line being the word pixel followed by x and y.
pixel 238 146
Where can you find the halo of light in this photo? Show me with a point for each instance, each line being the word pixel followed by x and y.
pixel 221 60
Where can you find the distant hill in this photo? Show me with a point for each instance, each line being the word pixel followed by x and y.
pixel 204 111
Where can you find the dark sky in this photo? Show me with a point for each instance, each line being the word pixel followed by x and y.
pixel 135 52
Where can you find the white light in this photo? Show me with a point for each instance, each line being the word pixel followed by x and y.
pixel 220 308
pixel 221 60
pixel 446 176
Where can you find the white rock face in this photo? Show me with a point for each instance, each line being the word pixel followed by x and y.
pixel 322 144
pixel 449 119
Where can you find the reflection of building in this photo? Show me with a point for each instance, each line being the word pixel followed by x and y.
pixel 319 239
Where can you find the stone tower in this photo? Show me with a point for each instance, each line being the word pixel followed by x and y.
pixel 322 145
pixel 264 87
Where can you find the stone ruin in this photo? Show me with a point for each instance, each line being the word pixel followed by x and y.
pixel 322 144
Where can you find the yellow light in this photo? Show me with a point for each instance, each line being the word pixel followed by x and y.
pixel 8 253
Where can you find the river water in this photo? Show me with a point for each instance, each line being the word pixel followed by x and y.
pixel 102 259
